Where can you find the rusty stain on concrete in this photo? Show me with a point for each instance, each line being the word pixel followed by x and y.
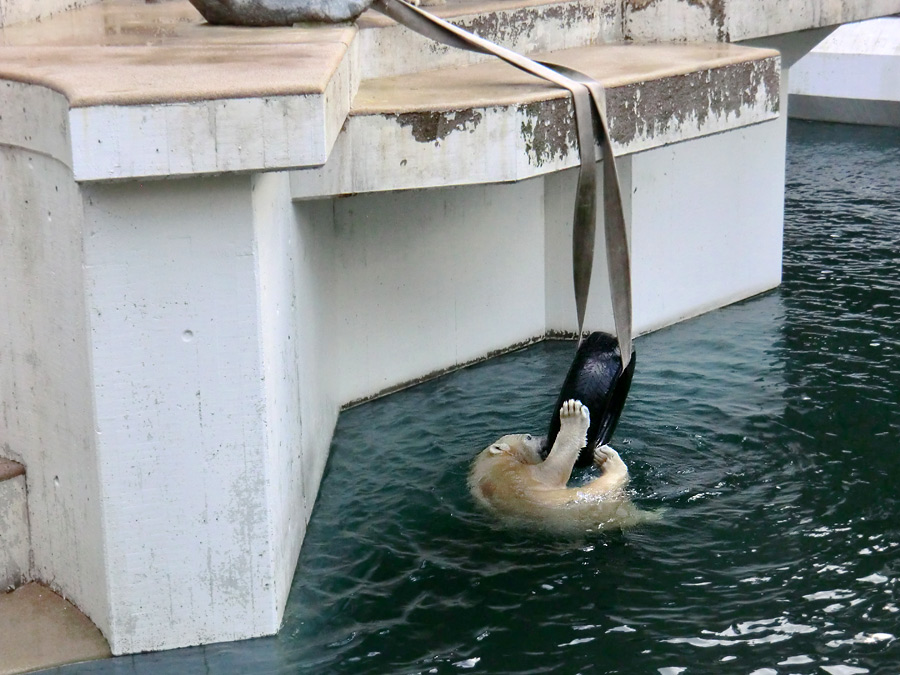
pixel 433 127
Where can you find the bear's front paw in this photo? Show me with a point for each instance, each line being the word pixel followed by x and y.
pixel 575 418
pixel 609 460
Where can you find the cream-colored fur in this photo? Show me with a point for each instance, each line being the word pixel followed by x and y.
pixel 509 478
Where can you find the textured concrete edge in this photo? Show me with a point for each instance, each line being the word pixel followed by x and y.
pixel 844 110
pixel 540 135
pixel 536 26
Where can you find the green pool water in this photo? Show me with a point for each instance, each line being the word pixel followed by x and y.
pixel 769 430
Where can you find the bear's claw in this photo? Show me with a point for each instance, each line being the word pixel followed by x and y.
pixel 573 408
pixel 575 418
pixel 609 460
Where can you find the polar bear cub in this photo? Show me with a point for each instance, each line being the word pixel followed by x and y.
pixel 510 478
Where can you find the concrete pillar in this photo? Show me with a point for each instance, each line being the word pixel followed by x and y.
pixel 211 429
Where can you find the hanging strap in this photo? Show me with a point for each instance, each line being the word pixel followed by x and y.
pixel 586 93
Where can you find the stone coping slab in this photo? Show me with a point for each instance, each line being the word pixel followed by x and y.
pixel 39 629
pixel 121 53
pixel 150 90
pixel 491 123
pixel 496 83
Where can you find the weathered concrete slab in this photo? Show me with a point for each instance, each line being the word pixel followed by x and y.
pixel 39 629
pixel 525 26
pixel 493 123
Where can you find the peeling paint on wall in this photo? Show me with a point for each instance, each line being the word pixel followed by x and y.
pixel 715 9
pixel 647 109
pixel 433 127
pixel 508 27
pixel 548 130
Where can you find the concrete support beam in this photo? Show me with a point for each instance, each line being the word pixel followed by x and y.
pixel 212 420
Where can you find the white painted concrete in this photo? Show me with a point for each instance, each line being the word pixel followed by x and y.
pixel 111 142
pixel 417 131
pixel 718 203
pixel 201 335
pixel 706 220
pixel 428 280
pixel 15 542
pixel 851 76
pixel 296 312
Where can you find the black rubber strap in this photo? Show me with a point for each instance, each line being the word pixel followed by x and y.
pixel 586 93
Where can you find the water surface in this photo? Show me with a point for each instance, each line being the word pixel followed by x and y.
pixel 769 430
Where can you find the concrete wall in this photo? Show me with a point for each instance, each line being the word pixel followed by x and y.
pixel 707 222
pixel 15 542
pixel 430 279
pixel 295 277
pixel 47 419
pixel 851 76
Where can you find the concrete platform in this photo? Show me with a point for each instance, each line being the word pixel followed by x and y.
pixel 39 629
pixel 177 351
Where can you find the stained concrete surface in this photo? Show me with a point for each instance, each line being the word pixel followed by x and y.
pixel 39 629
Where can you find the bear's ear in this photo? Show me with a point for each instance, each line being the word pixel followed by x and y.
pixel 499 448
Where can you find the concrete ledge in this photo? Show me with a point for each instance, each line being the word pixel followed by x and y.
pixel 526 26
pixel 735 20
pixel 845 110
pixel 494 123
pixel 151 91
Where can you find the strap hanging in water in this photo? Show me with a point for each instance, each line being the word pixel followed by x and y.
pixel 586 93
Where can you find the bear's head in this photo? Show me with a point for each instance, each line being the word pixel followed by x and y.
pixel 524 448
